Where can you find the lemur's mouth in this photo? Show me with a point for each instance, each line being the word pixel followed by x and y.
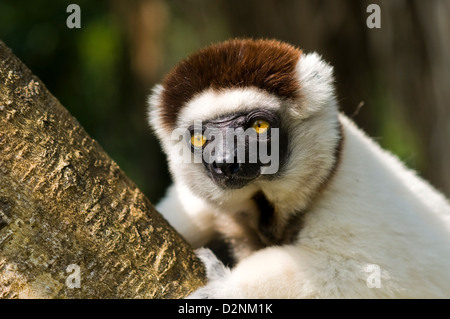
pixel 235 183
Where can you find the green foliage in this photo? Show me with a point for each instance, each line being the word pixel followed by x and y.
pixel 88 70
pixel 395 133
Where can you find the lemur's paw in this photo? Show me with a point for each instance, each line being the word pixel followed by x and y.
pixel 215 272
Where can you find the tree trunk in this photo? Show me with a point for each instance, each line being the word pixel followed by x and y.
pixel 72 225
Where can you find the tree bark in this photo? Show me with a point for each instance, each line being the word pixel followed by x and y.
pixel 69 217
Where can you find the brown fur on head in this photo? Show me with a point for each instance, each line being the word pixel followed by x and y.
pixel 265 64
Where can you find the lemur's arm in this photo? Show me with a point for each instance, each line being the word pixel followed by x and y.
pixel 188 215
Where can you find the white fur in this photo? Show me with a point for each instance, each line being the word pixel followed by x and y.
pixel 210 103
pixel 373 211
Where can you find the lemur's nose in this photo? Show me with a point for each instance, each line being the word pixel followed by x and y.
pixel 227 169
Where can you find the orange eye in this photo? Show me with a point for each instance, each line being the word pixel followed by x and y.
pixel 260 126
pixel 198 140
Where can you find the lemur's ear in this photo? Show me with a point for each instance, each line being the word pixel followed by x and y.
pixel 154 111
pixel 316 82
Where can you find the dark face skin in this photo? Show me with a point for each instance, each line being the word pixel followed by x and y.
pixel 235 166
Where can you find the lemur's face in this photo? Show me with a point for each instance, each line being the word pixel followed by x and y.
pixel 245 116
pixel 238 148
pixel 239 143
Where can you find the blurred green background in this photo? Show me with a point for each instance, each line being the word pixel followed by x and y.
pixel 393 81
